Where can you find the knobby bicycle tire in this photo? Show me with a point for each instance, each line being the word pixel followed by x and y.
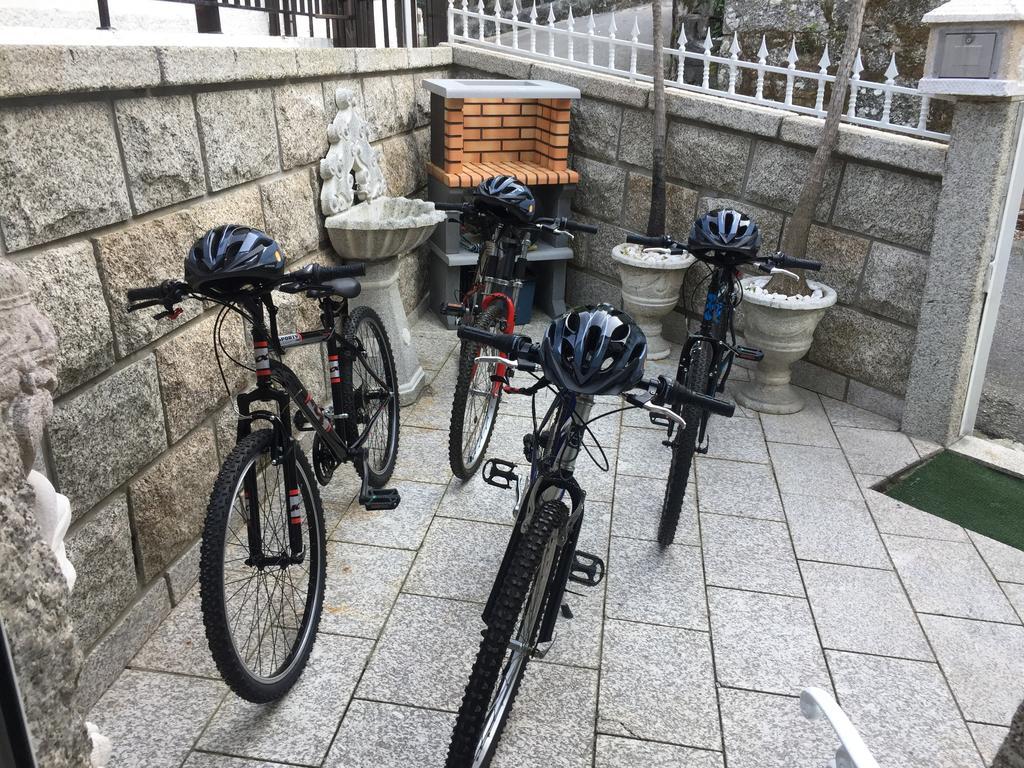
pixel 684 445
pixel 365 316
pixel 515 590
pixel 214 586
pixel 491 319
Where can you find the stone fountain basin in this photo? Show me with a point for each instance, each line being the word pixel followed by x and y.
pixel 382 228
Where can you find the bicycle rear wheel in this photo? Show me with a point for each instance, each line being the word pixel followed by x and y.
pixel 507 642
pixel 370 391
pixel 260 609
pixel 476 401
pixel 685 444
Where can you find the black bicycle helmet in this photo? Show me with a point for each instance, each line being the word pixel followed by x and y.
pixel 231 259
pixel 506 197
pixel 594 351
pixel 725 231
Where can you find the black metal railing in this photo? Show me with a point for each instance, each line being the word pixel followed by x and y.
pixel 348 23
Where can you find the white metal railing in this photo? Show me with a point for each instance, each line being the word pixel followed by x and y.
pixel 564 43
pixel 853 752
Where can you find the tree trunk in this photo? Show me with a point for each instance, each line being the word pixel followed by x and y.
pixel 799 229
pixel 656 220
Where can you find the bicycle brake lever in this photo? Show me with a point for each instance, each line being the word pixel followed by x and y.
pixel 784 272
pixel 660 410
pixel 499 360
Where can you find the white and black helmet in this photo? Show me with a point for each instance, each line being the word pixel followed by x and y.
pixel 725 231
pixel 594 351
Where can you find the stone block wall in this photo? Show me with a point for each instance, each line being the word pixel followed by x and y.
pixel 113 160
pixel 874 219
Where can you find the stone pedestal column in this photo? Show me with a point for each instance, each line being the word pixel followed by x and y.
pixel 380 291
pixel 975 185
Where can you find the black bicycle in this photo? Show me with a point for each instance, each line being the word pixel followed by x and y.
pixel 707 356
pixel 262 563
pixel 502 211
pixel 541 556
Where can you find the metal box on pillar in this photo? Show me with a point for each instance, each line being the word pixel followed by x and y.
pixel 485 128
pixel 975 49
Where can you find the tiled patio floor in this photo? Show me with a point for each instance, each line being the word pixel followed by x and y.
pixel 787 572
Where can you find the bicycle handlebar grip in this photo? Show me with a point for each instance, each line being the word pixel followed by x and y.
pixel 579 226
pixel 145 294
pixel 721 407
pixel 323 274
pixel 456 207
pixel 651 242
pixel 790 261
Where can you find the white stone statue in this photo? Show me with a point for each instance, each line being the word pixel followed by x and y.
pixel 350 154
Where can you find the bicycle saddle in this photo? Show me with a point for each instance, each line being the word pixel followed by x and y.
pixel 346 287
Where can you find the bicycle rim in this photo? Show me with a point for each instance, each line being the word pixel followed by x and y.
pixel 369 370
pixel 481 408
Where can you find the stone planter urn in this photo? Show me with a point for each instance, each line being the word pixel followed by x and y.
pixel 376 230
pixel 651 279
pixel 783 328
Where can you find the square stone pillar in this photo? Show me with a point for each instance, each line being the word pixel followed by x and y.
pixel 974 56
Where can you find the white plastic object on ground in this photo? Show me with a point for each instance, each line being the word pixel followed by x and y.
pixel 853 752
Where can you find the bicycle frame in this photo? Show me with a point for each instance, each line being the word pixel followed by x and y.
pixel 551 477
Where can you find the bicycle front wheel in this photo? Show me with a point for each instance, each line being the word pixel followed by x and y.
pixel 508 641
pixel 685 444
pixel 370 392
pixel 476 401
pixel 261 603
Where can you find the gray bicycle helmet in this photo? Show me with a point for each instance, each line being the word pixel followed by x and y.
pixel 594 351
pixel 231 259
pixel 725 231
pixel 506 197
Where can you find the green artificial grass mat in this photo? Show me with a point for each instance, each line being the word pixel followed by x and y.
pixel 968 493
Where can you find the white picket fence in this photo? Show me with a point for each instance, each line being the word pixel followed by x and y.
pixel 563 43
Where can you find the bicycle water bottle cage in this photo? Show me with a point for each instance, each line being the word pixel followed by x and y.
pixel 500 474
pixel 587 569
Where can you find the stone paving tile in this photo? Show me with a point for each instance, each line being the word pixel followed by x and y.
pixel 362 584
pixel 616 752
pixel 476 500
pixel 810 471
pixel 763 730
pixel 808 427
pixel 400 528
pixel 949 578
pixel 657 683
pixel 432 411
pixel 925 448
pixel 737 440
pixel 423 455
pixel 318 700
pixel 867 482
pixel 765 642
pixel 749 554
pixel 655 584
pixel 578 640
pixel 984 664
pixel 641 454
pixel 597 482
pixel 458 559
pixel 1015 593
pixel 152 719
pixel 903 710
pixel 507 438
pixel 552 720
pixel 876 452
pixel 863 610
pixel 377 735
pixel 179 644
pixel 892 516
pixel 424 654
pixel 637 510
pixel 210 760
pixel 738 488
pixel 846 415
pixel 1006 562
pixel 988 739
pixel 834 531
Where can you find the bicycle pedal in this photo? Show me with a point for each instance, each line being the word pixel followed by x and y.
pixel 380 498
pixel 453 310
pixel 500 473
pixel 587 569
pixel 749 353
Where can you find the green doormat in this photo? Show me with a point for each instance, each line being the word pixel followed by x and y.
pixel 965 492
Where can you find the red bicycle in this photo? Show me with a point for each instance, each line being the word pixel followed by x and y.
pixel 502 211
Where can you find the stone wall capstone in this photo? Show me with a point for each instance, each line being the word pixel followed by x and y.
pixel 113 160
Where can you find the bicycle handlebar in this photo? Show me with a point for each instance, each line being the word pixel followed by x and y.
pixel 778 259
pixel 559 223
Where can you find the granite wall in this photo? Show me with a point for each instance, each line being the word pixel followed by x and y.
pixel 112 161
pixel 874 220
